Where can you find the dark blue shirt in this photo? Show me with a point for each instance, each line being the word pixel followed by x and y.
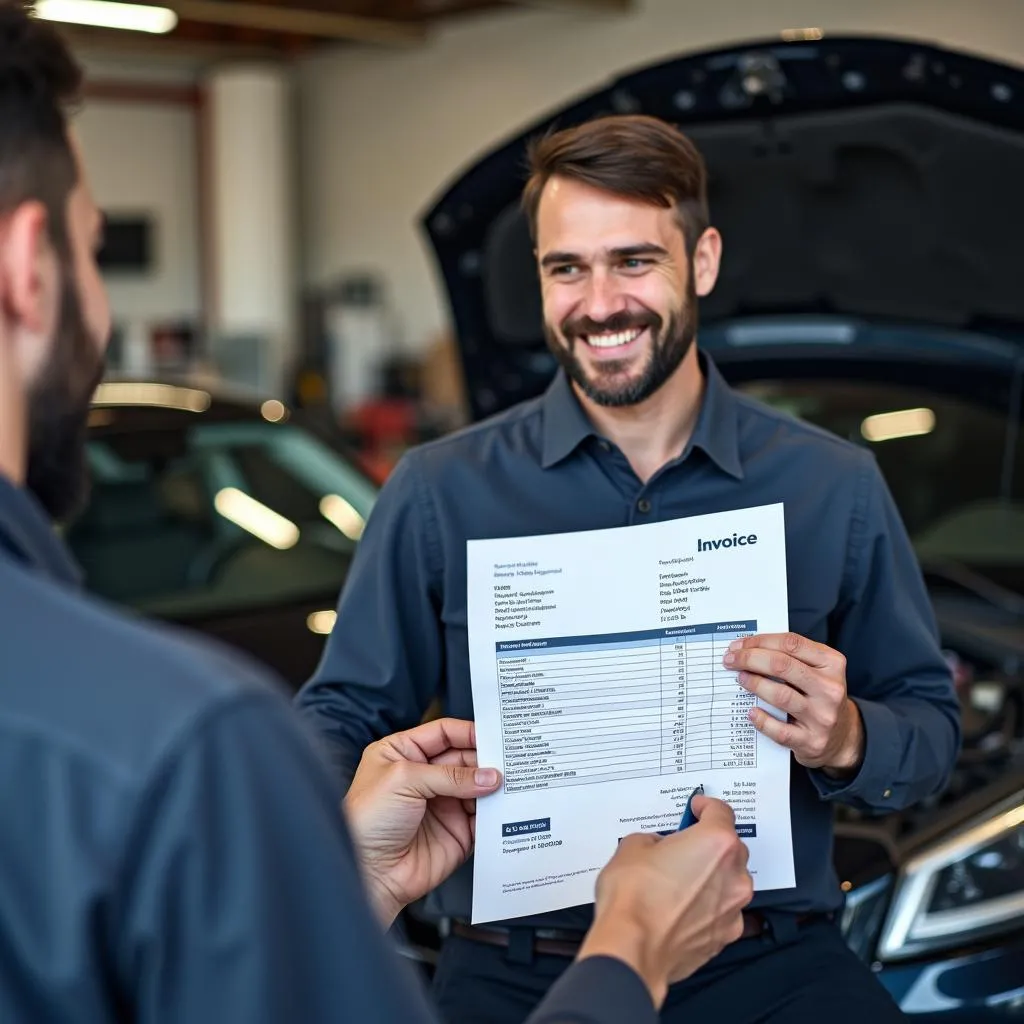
pixel 172 846
pixel 854 584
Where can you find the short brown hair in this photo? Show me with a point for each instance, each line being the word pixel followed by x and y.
pixel 630 155
pixel 39 82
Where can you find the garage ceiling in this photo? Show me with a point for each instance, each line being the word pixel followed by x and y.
pixel 291 28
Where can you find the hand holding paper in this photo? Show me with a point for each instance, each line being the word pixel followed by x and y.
pixel 807 680
pixel 411 810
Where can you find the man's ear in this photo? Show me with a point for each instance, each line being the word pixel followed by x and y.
pixel 707 258
pixel 26 256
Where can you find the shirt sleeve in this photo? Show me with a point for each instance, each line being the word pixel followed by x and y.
pixel 383 662
pixel 242 897
pixel 896 672
pixel 598 990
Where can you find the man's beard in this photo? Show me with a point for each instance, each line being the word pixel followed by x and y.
pixel 59 405
pixel 670 344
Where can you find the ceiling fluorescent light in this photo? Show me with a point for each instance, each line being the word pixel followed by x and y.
pixel 796 35
pixel 106 14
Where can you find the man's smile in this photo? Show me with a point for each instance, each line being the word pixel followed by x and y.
pixel 616 345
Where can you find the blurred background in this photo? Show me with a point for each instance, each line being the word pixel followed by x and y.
pixel 264 167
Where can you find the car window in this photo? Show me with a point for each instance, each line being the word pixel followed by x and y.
pixel 953 467
pixel 218 516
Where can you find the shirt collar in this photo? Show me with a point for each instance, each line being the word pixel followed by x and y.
pixel 27 534
pixel 716 433
pixel 566 425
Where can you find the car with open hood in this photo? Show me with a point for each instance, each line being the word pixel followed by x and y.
pixel 869 196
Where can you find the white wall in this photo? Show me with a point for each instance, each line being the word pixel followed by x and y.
pixel 142 159
pixel 383 131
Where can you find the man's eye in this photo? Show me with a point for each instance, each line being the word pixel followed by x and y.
pixel 635 263
pixel 566 270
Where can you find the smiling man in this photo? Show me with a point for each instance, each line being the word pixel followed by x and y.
pixel 639 427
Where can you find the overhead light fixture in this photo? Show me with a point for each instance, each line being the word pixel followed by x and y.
pixel 256 518
pixel 336 510
pixel 107 14
pixel 888 426
pixel 162 396
pixel 798 35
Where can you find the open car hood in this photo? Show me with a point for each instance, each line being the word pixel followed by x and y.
pixel 865 178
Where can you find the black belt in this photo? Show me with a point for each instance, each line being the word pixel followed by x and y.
pixel 566 942
pixel 550 941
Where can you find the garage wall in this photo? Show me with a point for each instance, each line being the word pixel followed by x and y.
pixel 142 157
pixel 383 131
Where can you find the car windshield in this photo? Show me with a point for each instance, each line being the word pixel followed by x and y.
pixel 209 517
pixel 953 465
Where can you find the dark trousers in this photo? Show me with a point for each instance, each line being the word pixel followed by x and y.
pixel 789 975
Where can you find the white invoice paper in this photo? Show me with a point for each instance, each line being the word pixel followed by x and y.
pixel 600 693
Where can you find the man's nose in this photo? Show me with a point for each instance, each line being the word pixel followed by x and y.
pixel 604 297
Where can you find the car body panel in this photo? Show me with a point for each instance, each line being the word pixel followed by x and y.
pixel 159 538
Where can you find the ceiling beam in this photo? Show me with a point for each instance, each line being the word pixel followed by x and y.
pixel 100 41
pixel 134 91
pixel 297 21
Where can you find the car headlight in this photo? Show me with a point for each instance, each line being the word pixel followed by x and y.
pixel 966 887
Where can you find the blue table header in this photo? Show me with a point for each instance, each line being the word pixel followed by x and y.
pixel 666 635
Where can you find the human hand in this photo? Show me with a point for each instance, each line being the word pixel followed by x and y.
pixel 666 906
pixel 807 680
pixel 411 809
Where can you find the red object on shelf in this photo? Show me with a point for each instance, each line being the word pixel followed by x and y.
pixel 385 421
pixel 385 427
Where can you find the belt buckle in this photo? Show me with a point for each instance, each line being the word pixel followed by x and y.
pixel 520 946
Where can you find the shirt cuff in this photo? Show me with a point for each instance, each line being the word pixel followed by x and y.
pixel 597 990
pixel 874 785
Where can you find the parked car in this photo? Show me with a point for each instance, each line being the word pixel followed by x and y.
pixel 868 192
pixel 221 514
